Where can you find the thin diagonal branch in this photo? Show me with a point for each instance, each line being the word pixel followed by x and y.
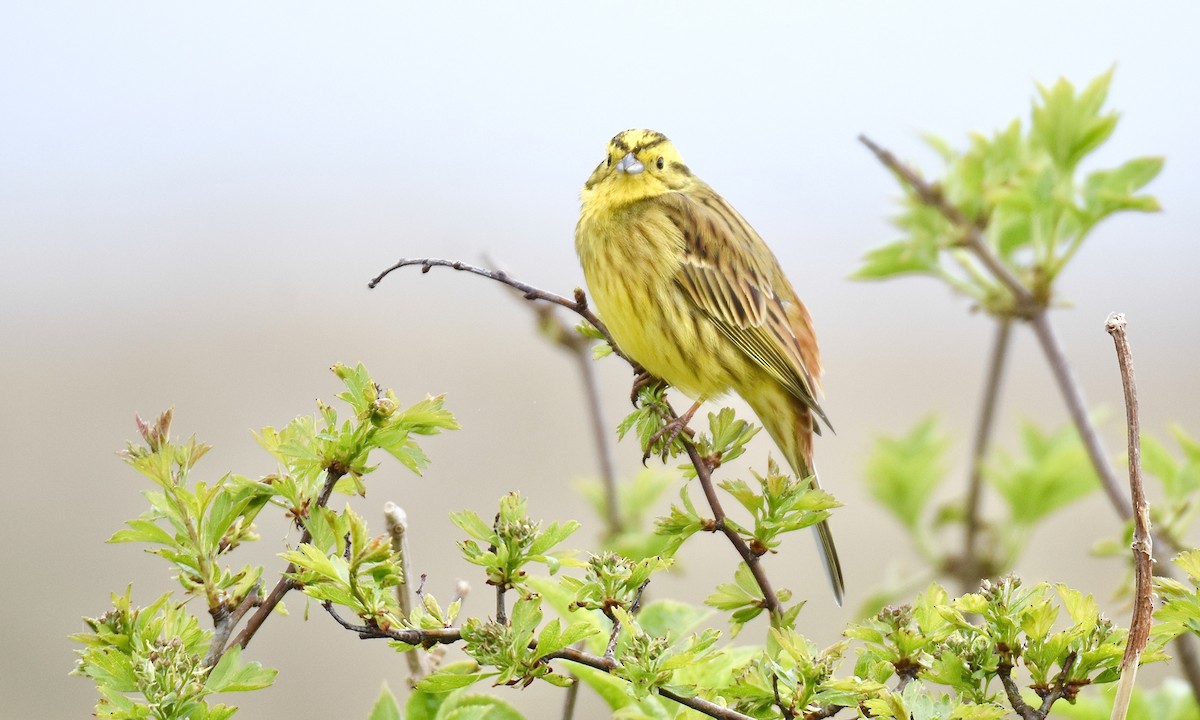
pixel 227 623
pixel 704 475
pixel 560 333
pixel 577 306
pixel 1015 701
pixel 970 573
pixel 1077 407
pixel 286 584
pixel 1060 688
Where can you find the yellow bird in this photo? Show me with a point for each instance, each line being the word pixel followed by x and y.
pixel 692 293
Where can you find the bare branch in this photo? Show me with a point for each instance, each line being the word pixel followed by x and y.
pixel 1073 397
pixel 226 624
pixel 562 335
pixel 577 306
pixel 1143 541
pixel 970 572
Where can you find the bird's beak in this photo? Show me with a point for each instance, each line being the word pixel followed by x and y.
pixel 630 165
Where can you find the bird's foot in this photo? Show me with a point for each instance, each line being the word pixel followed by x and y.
pixel 669 432
pixel 643 380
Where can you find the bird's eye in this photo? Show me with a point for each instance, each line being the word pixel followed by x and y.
pixel 660 163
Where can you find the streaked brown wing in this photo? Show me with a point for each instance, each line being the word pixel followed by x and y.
pixel 730 274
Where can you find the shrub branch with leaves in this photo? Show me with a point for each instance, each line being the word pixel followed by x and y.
pixel 1000 227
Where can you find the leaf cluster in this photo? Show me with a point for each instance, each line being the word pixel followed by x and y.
pixel 904 473
pixel 1021 188
pixel 157 661
pixel 156 654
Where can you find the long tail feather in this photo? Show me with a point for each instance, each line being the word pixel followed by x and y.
pixel 790 423
pixel 829 557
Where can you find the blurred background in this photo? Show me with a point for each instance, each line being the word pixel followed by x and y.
pixel 193 197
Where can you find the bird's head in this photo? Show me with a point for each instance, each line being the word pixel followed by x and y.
pixel 639 164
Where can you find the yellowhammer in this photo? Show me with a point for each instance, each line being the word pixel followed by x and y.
pixel 691 292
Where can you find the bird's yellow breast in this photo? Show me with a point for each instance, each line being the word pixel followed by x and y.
pixel 631 255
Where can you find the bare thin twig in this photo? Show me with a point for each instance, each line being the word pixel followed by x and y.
pixel 569 699
pixel 226 624
pixel 825 711
pixel 970 572
pixel 1143 542
pixel 577 306
pixel 562 335
pixel 1061 688
pixel 1077 408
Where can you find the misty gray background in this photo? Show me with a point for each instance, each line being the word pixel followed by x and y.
pixel 193 196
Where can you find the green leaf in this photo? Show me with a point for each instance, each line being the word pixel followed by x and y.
pixel 1070 126
pixel 1055 472
pixel 902 257
pixel 473 525
pixel 143 530
pixel 441 682
pixel 1189 562
pixel 477 707
pixel 902 473
pixel 386 707
pixel 231 675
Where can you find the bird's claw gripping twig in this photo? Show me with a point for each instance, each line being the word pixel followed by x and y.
pixel 669 432
pixel 643 380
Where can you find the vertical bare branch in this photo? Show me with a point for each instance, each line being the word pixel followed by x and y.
pixel 1143 542
pixel 970 573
